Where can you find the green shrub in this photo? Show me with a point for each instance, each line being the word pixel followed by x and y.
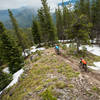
pixel 84 51
pixel 47 95
pixel 60 84
pixel 64 47
pixel 5 79
pixel 38 52
pixel 72 48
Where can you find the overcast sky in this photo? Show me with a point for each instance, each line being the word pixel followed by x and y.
pixel 10 4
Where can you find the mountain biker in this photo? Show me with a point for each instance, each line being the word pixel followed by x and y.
pixel 57 49
pixel 83 63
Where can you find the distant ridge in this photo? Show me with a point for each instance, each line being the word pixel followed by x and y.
pixel 23 15
pixel 67 2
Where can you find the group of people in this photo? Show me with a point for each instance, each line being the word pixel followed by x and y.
pixel 83 63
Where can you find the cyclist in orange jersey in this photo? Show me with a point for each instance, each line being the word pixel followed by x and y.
pixel 84 64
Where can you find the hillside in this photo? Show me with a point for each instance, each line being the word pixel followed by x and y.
pixel 55 77
pixel 23 15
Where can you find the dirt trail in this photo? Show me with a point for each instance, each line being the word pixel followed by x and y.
pixel 92 76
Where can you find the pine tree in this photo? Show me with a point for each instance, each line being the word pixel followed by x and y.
pixel 97 21
pixel 93 12
pixel 79 31
pixel 97 13
pixel 36 31
pixel 67 20
pixel 42 21
pixel 59 23
pixel 46 23
pixel 1 55
pixel 64 19
pixel 93 19
pixel 20 36
pixel 87 8
pixel 5 79
pixel 11 52
pixel 82 6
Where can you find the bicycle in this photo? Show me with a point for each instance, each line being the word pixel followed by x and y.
pixel 83 67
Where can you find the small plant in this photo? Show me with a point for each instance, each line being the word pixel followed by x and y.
pixel 72 48
pixel 47 95
pixel 60 84
pixel 39 88
pixel 96 89
pixel 36 59
pixel 64 47
pixel 38 52
pixel 84 50
pixel 71 86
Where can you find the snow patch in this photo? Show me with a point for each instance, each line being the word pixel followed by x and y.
pixel 15 79
pixel 63 41
pixel 31 50
pixel 6 70
pixel 96 67
pixel 93 49
pixel 40 49
pixel 1 92
pixel 69 44
pixel 33 47
pixel 34 50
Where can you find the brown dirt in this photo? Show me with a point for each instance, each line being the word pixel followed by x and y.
pixel 92 76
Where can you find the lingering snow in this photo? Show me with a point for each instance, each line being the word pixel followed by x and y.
pixel 15 79
pixel 33 47
pixel 94 41
pixel 25 54
pixel 31 50
pixel 40 49
pixel 96 51
pixel 63 41
pixel 1 92
pixel 96 67
pixel 93 67
pixel 6 70
pixel 69 44
pixel 92 49
pixel 34 50
pixel 97 64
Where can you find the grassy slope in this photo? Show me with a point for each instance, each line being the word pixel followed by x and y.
pixel 89 57
pixel 46 78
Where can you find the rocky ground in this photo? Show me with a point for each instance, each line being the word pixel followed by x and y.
pixel 54 77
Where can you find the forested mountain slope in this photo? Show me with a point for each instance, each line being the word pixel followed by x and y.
pixel 23 15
